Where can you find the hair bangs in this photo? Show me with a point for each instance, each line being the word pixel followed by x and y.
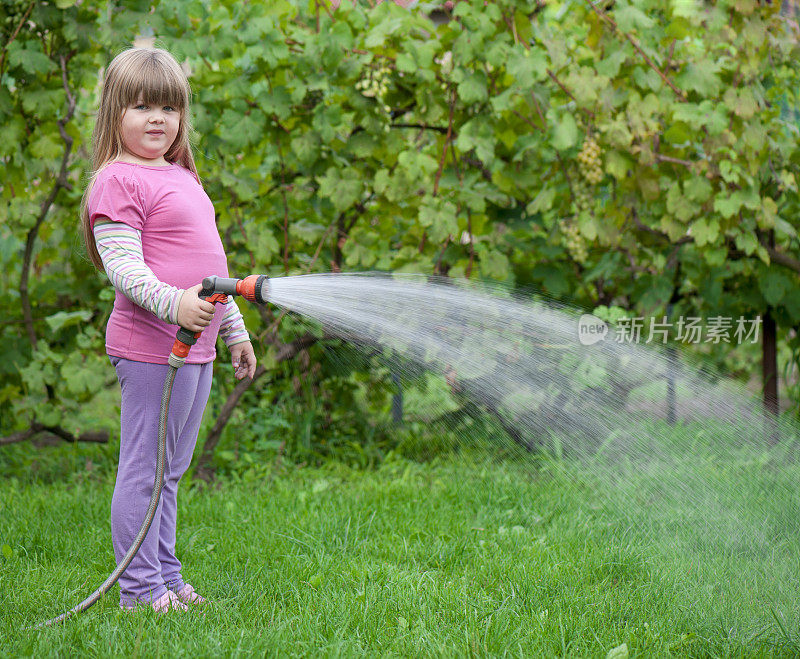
pixel 156 81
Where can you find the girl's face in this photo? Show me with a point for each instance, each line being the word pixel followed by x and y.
pixel 148 131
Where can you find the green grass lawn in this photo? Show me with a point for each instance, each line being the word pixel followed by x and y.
pixel 450 558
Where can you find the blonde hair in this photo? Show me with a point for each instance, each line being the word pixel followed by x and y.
pixel 149 74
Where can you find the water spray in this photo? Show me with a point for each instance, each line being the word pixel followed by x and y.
pixel 215 290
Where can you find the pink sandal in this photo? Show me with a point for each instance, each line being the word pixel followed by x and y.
pixel 168 601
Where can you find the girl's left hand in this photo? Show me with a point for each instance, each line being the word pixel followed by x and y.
pixel 244 360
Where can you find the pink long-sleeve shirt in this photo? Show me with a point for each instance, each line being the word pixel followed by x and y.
pixel 180 245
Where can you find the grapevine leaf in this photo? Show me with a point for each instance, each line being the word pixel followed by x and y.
pixel 701 77
pixel 698 189
pixel 679 205
pixel 473 88
pixel 63 319
pixel 629 18
pixel 565 134
pixel 774 285
pixel 705 231
pixel 542 201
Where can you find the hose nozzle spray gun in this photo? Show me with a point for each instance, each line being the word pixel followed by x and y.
pixel 216 290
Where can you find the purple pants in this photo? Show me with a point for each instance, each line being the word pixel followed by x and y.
pixel 155 568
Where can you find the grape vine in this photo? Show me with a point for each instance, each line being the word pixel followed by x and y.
pixel 375 84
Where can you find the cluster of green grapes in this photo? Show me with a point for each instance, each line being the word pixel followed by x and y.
pixel 11 14
pixel 376 84
pixel 446 62
pixel 582 193
pixel 589 161
pixel 573 240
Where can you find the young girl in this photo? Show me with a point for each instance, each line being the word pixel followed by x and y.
pixel 147 221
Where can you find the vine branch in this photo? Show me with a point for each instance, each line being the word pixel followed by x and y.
pixel 60 182
pixel 569 93
pixel 447 139
pixel 438 129
pixel 635 43
pixel 775 255
pixel 285 352
pixel 95 436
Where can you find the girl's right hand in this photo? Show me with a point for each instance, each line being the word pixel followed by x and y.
pixel 193 313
